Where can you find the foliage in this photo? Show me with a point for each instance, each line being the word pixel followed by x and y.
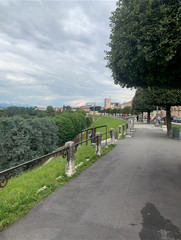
pixel 69 125
pixel 20 194
pixel 142 101
pixel 125 110
pixel 50 112
pixel 21 141
pixel 66 108
pixel 158 97
pixel 145 43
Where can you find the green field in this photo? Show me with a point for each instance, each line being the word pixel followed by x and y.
pixel 20 194
pixel 111 122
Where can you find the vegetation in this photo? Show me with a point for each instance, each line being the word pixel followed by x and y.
pixel 21 194
pixel 145 43
pixel 70 124
pixel 142 103
pixel 125 110
pixel 147 99
pixel 111 122
pixel 23 140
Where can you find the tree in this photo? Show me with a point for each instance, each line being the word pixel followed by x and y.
pixel 150 97
pixel 127 110
pixel 50 112
pixel 145 43
pixel 165 99
pixel 142 102
pixel 23 140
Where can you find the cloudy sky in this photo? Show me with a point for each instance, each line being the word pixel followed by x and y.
pixel 52 53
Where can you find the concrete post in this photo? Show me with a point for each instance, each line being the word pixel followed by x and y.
pixel 98 144
pixel 124 130
pixel 129 125
pixel 112 135
pixel 120 132
pixel 70 163
pixel 133 124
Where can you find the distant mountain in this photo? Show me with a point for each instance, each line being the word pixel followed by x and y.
pixel 5 105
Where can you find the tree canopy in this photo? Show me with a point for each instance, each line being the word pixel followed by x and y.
pixel 145 43
pixel 142 101
pixel 146 99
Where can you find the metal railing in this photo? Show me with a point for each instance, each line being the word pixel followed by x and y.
pixel 93 129
pixel 6 174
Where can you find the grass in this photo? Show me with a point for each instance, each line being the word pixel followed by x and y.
pixel 111 122
pixel 176 125
pixel 20 194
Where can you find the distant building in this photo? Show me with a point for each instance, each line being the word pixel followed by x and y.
pixel 114 105
pixel 58 109
pixel 176 111
pixel 107 103
pixel 126 104
pixel 41 108
pixel 97 108
pixel 86 109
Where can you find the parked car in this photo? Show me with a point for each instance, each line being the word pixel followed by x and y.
pixel 176 119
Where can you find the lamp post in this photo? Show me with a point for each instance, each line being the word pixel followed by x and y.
pixel 157 123
pixel 92 104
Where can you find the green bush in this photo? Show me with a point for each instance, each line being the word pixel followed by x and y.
pixel 23 140
pixel 69 125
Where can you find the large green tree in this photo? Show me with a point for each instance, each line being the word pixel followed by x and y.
pixel 145 43
pixel 142 102
pixel 150 97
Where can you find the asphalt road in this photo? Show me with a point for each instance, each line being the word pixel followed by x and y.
pixel 134 192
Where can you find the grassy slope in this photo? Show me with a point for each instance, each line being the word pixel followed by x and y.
pixel 20 194
pixel 111 122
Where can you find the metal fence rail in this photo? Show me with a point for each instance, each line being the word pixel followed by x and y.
pixel 6 174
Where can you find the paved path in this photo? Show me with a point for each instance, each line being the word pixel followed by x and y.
pixel 134 192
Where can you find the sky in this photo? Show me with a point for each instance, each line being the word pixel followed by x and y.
pixel 52 53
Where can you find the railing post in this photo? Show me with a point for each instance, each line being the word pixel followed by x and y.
pixel 70 163
pixel 112 135
pixel 120 132
pixel 133 124
pixel 98 144
pixel 129 125
pixel 124 130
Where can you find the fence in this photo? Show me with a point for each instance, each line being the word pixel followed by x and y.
pixel 68 151
pixel 86 131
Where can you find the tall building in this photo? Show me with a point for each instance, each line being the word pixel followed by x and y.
pixel 107 103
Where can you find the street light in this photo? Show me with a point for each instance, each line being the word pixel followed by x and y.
pixel 92 104
pixel 157 123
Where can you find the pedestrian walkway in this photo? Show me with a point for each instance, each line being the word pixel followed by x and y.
pixel 132 193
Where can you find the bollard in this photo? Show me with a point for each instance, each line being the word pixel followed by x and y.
pixel 124 131
pixel 98 144
pixel 116 135
pixel 112 135
pixel 70 163
pixel 120 132
pixel 133 124
pixel 129 126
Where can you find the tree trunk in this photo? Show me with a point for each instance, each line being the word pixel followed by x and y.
pixel 148 117
pixel 168 120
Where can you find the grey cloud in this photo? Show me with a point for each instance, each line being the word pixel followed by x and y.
pixel 54 51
